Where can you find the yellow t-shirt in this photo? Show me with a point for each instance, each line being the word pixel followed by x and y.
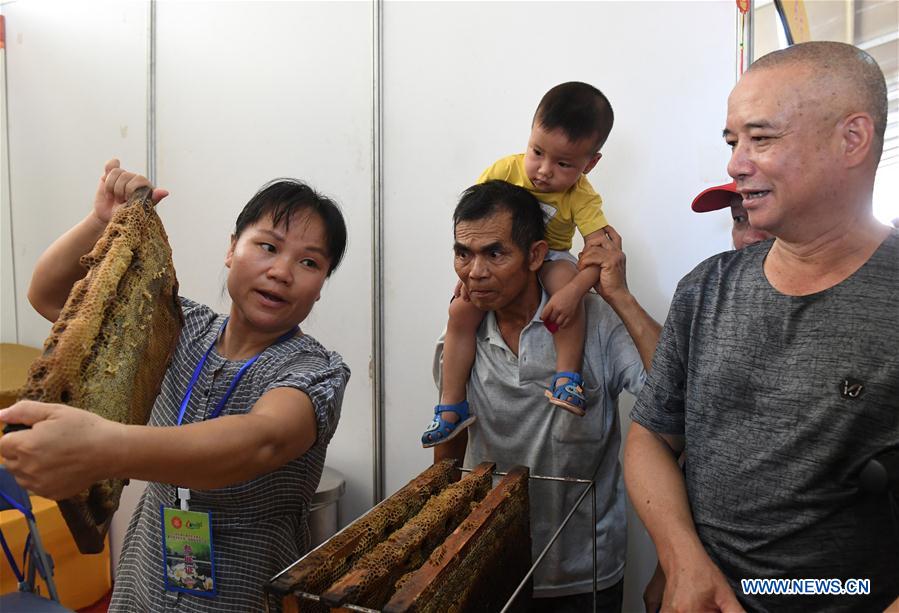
pixel 579 207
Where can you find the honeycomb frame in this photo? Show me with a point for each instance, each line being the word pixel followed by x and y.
pixel 438 560
pixel 109 348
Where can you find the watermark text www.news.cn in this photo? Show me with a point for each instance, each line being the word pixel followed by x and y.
pixel 793 587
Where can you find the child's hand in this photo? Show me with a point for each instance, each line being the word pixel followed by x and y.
pixel 115 187
pixel 606 253
pixel 461 292
pixel 562 306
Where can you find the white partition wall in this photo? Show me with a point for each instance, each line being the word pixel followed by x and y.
pixel 462 80
pixel 249 91
pixel 246 92
pixel 461 85
pixel 76 95
pixel 8 324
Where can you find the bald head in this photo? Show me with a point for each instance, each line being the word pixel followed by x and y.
pixel 847 77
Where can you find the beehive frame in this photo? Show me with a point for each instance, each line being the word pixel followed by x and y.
pixel 280 588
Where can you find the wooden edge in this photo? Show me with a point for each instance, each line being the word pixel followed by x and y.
pixel 289 605
pixel 345 587
pixel 456 545
pixel 287 581
pixel 88 537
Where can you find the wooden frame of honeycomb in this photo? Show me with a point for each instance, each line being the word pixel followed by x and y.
pixel 109 349
pixel 463 546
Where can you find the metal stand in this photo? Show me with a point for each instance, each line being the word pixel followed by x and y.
pixel 591 487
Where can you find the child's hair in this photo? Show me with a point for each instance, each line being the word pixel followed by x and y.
pixel 492 197
pixel 284 198
pixel 580 110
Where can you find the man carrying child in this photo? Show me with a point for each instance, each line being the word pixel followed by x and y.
pixel 499 249
pixel 571 124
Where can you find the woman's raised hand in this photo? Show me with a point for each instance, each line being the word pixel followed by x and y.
pixel 116 186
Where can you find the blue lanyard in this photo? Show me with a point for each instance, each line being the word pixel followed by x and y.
pixel 237 377
pixel 20 575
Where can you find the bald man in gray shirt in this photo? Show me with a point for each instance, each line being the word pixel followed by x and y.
pixel 777 369
pixel 499 247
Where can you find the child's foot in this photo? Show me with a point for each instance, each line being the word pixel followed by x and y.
pixel 567 391
pixel 449 420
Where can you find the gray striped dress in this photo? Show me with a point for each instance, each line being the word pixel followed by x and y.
pixel 259 526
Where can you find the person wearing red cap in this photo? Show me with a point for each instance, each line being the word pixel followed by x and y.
pixel 726 196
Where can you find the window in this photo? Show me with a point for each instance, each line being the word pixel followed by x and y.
pixel 872 25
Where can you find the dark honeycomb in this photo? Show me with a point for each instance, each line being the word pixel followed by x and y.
pixel 370 581
pixel 109 349
pixel 464 548
pixel 333 559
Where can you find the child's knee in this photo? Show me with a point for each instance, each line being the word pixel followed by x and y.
pixel 556 274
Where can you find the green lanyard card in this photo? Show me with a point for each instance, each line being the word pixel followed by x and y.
pixel 188 563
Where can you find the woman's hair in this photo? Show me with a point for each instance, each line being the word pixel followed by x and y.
pixel 284 198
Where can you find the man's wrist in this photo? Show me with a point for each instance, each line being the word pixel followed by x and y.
pixel 621 300
pixel 680 553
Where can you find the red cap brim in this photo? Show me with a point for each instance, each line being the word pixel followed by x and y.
pixel 714 198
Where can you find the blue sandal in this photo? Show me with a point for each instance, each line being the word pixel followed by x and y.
pixel 569 396
pixel 440 431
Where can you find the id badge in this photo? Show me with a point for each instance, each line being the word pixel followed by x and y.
pixel 187 555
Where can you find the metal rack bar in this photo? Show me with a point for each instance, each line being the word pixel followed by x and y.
pixel 376 365
pixel 590 487
pixel 593 515
pixel 151 91
pixel 497 473
pixel 552 541
pixel 351 607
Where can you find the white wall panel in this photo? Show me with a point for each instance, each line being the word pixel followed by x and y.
pixel 246 92
pixel 76 78
pixel 462 81
pixel 8 325
pixel 250 91
pixel 77 93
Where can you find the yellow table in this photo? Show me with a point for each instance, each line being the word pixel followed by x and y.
pixel 14 362
pixel 81 580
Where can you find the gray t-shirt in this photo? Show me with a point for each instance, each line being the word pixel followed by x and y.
pixel 756 382
pixel 259 527
pixel 517 425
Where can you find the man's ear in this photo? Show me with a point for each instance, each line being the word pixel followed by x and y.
pixel 537 254
pixel 592 162
pixel 857 134
pixel 230 254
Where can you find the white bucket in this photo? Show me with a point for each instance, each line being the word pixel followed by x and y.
pixel 324 507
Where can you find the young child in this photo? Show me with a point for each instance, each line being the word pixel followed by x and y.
pixel 244 438
pixel 570 126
